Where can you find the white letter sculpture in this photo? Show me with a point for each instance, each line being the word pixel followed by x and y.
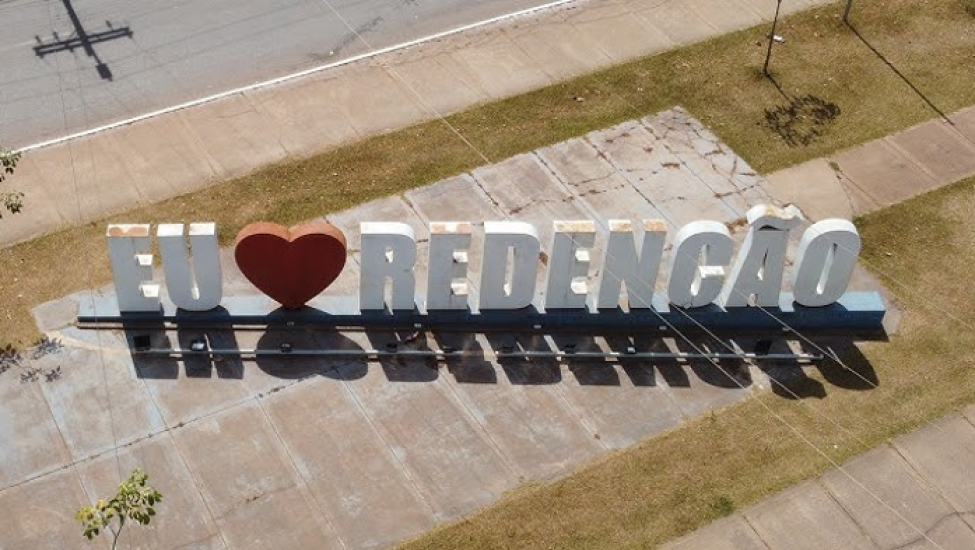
pixel 388 252
pixel 760 264
pixel 701 250
pixel 447 285
pixel 568 267
pixel 824 262
pixel 624 264
pixel 497 291
pixel 196 285
pixel 129 248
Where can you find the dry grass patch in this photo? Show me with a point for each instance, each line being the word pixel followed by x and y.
pixel 672 484
pixel 718 81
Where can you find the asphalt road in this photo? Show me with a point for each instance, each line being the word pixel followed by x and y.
pixel 70 65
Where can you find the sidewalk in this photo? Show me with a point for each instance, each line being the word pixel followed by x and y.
pixel 184 151
pixel 882 172
pixel 917 492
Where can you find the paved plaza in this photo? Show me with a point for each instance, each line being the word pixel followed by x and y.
pixel 313 453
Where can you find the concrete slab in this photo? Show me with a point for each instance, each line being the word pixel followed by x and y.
pixel 883 172
pixel 235 135
pixel 531 424
pixel 619 34
pixel 815 188
pixel 249 483
pixel 794 519
pixel 596 183
pixel 660 175
pixel 40 513
pixel 184 394
pixel 938 149
pixel 730 533
pixel 182 519
pixel 85 172
pixel 893 506
pixel 560 59
pixel 336 450
pixel 441 81
pixel 171 151
pixel 944 456
pixel 374 101
pixel 620 404
pixel 964 121
pixel 525 190
pixel 28 421
pixel 99 403
pixel 41 198
pixel 455 465
pixel 306 120
pixel 727 15
pixel 676 20
pixel 501 67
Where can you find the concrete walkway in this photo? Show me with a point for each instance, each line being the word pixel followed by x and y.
pixel 916 493
pixel 883 172
pixel 180 152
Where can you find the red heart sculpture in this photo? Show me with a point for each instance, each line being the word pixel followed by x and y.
pixel 290 266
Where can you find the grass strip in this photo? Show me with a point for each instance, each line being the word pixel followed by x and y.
pixel 830 91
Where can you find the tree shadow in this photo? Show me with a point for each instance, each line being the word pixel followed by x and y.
pixel 802 118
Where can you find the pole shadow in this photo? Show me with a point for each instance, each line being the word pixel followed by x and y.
pixel 899 74
pixel 84 40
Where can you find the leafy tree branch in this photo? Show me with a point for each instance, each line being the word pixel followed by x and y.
pixel 134 501
pixel 11 201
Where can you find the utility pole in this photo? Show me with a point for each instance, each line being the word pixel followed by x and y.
pixel 846 12
pixel 771 37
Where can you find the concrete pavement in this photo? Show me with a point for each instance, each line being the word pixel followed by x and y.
pixel 179 152
pixel 916 492
pixel 883 172
pixel 317 453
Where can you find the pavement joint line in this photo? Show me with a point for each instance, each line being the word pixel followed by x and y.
pixel 296 75
pixel 322 510
pixel 404 469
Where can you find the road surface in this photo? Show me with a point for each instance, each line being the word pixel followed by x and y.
pixel 70 65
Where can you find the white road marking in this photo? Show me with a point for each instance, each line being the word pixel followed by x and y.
pixel 292 76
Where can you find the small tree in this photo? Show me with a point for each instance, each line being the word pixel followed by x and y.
pixel 134 500
pixel 11 201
